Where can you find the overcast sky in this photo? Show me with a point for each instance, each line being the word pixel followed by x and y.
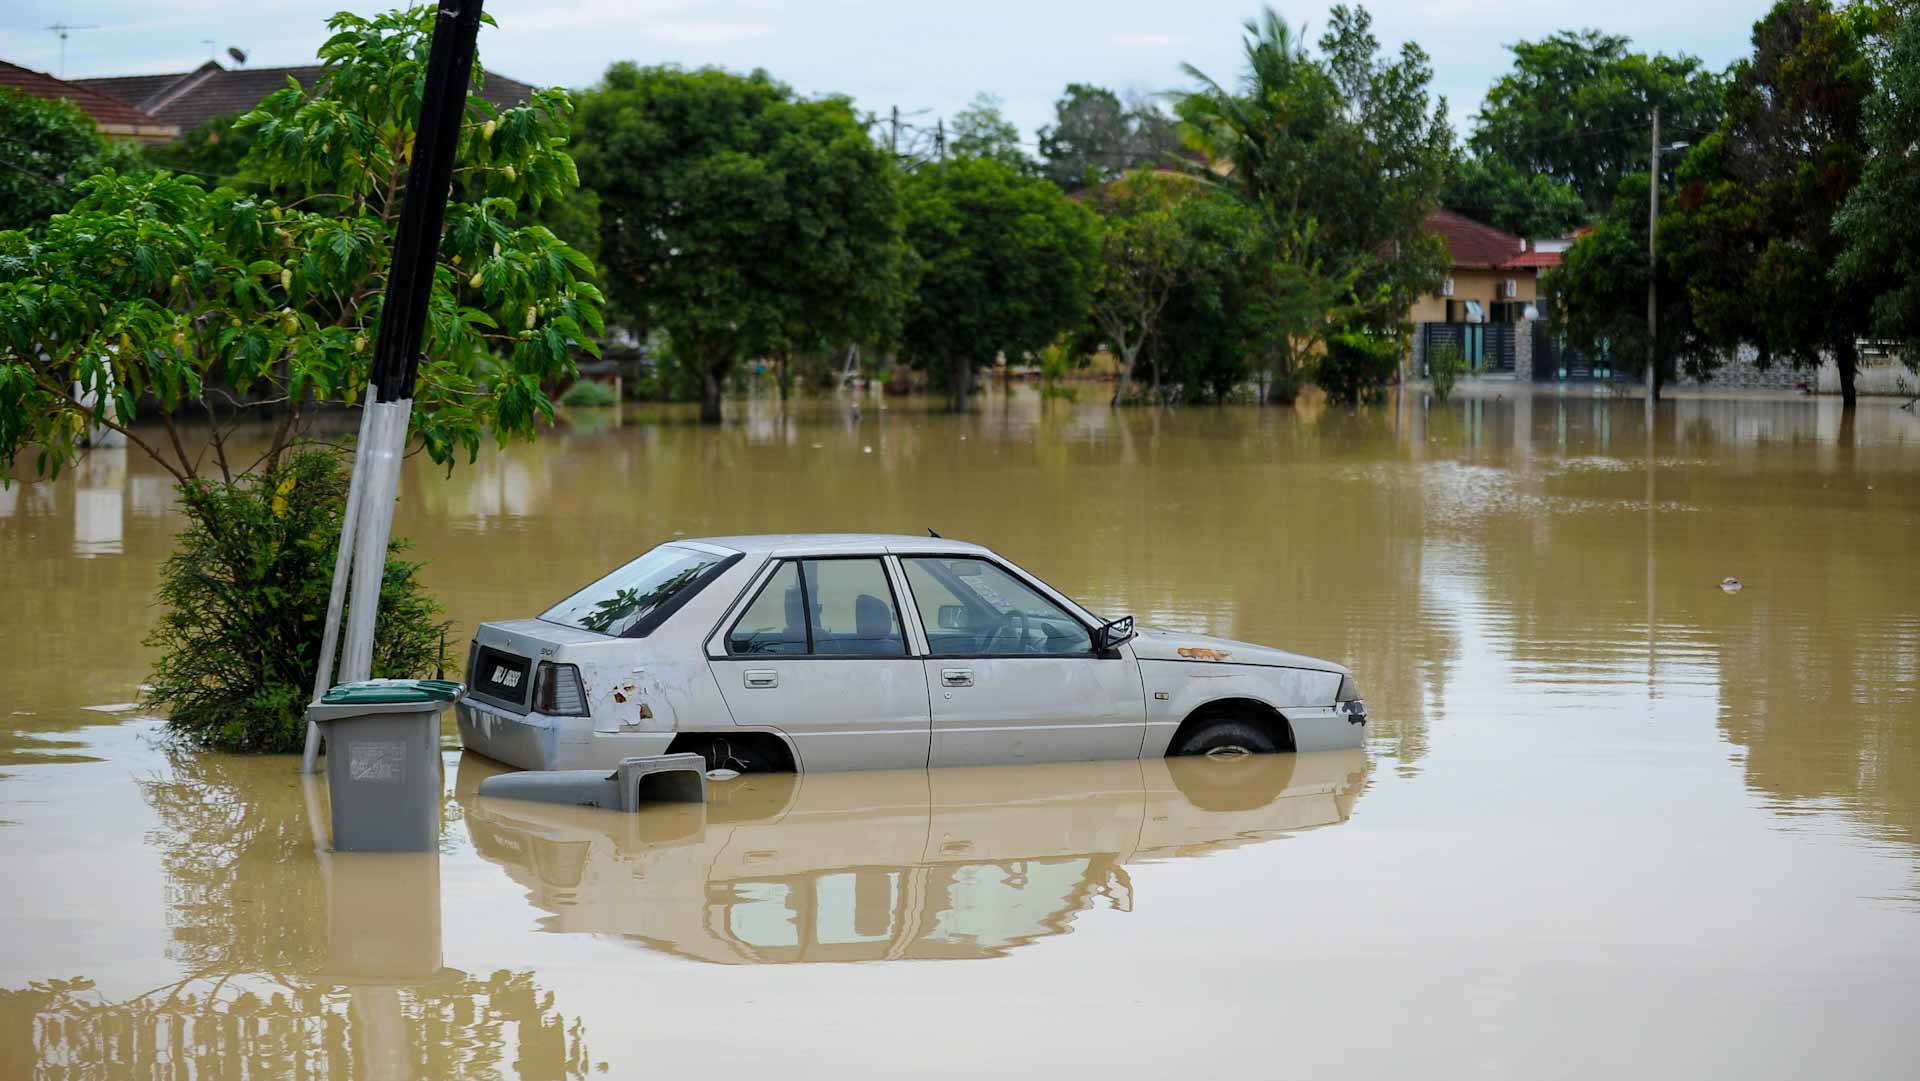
pixel 914 55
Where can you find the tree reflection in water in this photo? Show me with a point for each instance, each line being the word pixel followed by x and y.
pixel 294 963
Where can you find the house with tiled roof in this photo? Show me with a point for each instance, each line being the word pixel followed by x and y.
pixel 190 99
pixel 1489 300
pixel 115 117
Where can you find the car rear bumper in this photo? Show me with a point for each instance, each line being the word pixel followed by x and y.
pixel 536 741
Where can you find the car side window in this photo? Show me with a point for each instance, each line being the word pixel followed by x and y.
pixel 852 609
pixel 776 622
pixel 821 608
pixel 973 608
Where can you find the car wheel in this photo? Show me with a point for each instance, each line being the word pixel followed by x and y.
pixel 1224 737
pixel 740 756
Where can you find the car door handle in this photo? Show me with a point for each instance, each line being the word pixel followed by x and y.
pixel 956 677
pixel 762 677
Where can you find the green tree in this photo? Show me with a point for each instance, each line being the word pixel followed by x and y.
pixel 1345 154
pixel 981 131
pixel 1576 109
pixel 1230 306
pixel 154 295
pixel 1753 231
pixel 740 219
pixel 46 149
pixel 216 152
pixel 1597 297
pixel 1006 265
pixel 155 289
pixel 1095 137
pixel 1528 204
pixel 1144 255
pixel 1878 222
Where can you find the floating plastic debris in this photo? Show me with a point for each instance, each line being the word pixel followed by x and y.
pixel 722 774
pixel 115 707
pixel 1730 585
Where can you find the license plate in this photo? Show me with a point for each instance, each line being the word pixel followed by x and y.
pixel 500 675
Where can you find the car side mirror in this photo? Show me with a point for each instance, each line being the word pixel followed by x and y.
pixel 1113 633
pixel 952 617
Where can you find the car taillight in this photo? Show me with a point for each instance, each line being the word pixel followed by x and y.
pixel 558 691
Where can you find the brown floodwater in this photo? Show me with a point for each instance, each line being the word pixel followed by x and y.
pixel 1611 818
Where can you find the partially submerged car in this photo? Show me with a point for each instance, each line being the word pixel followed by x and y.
pixel 860 651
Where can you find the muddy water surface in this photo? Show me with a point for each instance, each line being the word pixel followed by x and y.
pixel 1611 818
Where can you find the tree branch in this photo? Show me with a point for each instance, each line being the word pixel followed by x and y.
pixel 173 434
pixel 70 403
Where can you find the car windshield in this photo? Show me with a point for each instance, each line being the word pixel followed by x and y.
pixel 632 601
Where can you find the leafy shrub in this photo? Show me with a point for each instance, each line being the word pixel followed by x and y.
pixel 1057 362
pixel 1358 366
pixel 243 604
pixel 1445 365
pixel 588 394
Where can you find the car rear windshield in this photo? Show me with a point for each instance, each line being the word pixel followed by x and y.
pixel 632 601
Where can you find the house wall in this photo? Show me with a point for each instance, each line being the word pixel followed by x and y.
pixel 1480 285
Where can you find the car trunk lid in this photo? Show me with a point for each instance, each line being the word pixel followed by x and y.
pixel 503 656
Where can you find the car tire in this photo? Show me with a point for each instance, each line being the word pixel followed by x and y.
pixel 1225 735
pixel 741 756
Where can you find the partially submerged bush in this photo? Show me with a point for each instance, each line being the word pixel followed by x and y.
pixel 1445 365
pixel 1358 366
pixel 244 603
pixel 1057 362
pixel 588 394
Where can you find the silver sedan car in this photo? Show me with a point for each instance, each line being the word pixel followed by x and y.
pixel 860 651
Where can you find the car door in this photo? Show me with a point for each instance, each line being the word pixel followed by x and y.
pixel 820 653
pixel 1012 675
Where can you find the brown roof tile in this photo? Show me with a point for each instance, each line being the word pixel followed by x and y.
pixel 1533 260
pixel 1471 244
pixel 192 98
pixel 132 89
pixel 110 113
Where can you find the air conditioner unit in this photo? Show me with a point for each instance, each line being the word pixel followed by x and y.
pixel 1446 287
pixel 1509 289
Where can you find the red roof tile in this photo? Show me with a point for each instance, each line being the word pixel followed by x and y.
pixel 107 111
pixel 1471 244
pixel 1533 260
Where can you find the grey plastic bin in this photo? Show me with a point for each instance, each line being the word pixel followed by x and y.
pixel 383 762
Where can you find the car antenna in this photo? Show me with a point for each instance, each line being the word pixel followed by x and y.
pixel 934 535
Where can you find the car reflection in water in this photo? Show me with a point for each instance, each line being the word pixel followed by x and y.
pixel 922 864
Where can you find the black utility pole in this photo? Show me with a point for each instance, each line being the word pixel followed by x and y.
pixel 416 247
pixel 388 406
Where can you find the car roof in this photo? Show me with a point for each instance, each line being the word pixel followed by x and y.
pixel 796 543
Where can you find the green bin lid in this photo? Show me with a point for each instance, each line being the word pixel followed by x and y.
pixel 387 691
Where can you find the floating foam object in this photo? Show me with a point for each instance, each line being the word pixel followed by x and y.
pixel 637 781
